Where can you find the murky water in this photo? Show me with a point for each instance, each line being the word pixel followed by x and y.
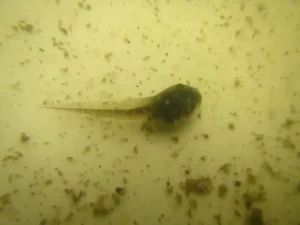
pixel 236 162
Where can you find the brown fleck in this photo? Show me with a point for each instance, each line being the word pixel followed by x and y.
pixel 199 186
pixel 24 137
pixel 16 86
pixel 25 26
pixel 80 4
pixel 70 159
pixel 126 40
pixel 88 7
pixel 60 46
pixel 225 168
pixel 237 83
pixel 237 33
pixel 249 20
pixel 146 58
pixel 270 170
pixel 258 137
pixel 288 144
pixel 261 8
pixel 13 158
pixel 178 198
pixel 108 56
pixel 62 29
pixel 75 197
pixel 48 182
pixel 124 140
pixel 69 217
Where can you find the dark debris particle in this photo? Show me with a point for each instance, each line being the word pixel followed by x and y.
pixel 203 158
pixel 205 136
pixel 288 123
pixel 146 58
pixel 48 182
pixel 231 126
pixel 192 204
pixel 44 222
pixel 237 183
pixel 187 172
pixel 261 8
pixel 116 199
pixel 5 199
pixel 169 188
pixel 258 137
pixel 251 179
pixel 135 149
pixel 237 213
pixel 200 186
pixel 108 56
pixel 175 139
pixel 297 189
pixel 120 190
pixel 24 137
pixel 178 198
pixel 255 217
pixel 126 40
pixel 100 208
pixel 251 197
pixel 124 140
pixel 222 190
pixel 218 218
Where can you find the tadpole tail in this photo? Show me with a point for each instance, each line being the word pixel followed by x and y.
pixel 128 114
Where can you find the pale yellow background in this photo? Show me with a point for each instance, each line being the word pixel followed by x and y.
pixel 244 57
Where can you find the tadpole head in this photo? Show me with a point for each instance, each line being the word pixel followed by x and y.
pixel 176 102
pixel 191 95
